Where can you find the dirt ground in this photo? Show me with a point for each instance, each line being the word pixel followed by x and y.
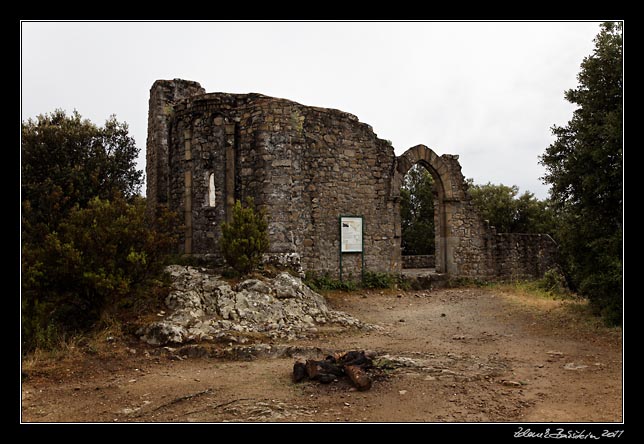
pixel 478 354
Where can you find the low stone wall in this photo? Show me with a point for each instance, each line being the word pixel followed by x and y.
pixel 519 256
pixel 419 261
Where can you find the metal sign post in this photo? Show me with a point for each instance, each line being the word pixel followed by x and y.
pixel 351 238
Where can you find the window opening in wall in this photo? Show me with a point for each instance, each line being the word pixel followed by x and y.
pixel 211 190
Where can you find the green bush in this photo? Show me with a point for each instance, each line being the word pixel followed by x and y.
pixel 554 282
pixel 98 257
pixel 245 239
pixel 374 279
pixel 327 283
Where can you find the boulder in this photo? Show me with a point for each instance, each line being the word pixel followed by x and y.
pixel 202 306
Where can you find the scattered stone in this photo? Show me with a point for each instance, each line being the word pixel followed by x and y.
pixel 402 392
pixel 399 296
pixel 554 353
pixel 443 315
pixel 458 337
pixel 573 366
pixel 511 383
pixel 401 320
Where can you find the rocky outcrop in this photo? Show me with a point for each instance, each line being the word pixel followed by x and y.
pixel 205 307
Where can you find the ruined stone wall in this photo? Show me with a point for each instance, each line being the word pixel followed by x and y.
pixel 163 96
pixel 308 166
pixel 520 256
pixel 468 237
pixel 466 245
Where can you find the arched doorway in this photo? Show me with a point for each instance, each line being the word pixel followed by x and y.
pixel 428 159
pixel 417 219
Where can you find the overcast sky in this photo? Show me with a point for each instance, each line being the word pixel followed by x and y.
pixel 487 91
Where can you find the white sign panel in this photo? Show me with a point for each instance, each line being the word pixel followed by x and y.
pixel 351 234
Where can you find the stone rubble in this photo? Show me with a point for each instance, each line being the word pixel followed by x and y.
pixel 203 307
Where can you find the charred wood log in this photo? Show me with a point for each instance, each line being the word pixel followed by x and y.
pixel 360 379
pixel 299 371
pixel 355 358
pixel 352 364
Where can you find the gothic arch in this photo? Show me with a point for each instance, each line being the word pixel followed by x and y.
pixel 420 154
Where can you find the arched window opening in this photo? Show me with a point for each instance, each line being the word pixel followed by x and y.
pixel 211 190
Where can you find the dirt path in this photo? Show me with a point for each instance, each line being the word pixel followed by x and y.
pixel 474 355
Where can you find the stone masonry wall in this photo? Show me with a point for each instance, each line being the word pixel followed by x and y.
pixel 307 166
pixel 466 245
pixel 520 256
pixel 163 96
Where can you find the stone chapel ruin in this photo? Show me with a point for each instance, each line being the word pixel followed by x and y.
pixel 309 166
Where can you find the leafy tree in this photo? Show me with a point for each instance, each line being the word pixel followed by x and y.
pixel 496 203
pixel 417 212
pixel 584 168
pixel 86 243
pixel 67 161
pixel 245 239
pixel 508 213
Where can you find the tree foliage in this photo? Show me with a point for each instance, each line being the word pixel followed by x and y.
pixel 417 212
pixel 584 168
pixel 67 161
pixel 508 213
pixel 245 239
pixel 86 242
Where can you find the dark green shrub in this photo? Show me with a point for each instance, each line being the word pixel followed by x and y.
pixel 554 282
pixel 327 283
pixel 99 257
pixel 374 279
pixel 245 239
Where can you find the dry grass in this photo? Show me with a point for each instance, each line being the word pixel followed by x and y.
pixel 69 350
pixel 557 311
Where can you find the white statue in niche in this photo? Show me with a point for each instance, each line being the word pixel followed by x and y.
pixel 211 190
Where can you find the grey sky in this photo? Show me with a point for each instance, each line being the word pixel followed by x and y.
pixel 488 91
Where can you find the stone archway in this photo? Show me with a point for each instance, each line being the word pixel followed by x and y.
pixel 440 171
